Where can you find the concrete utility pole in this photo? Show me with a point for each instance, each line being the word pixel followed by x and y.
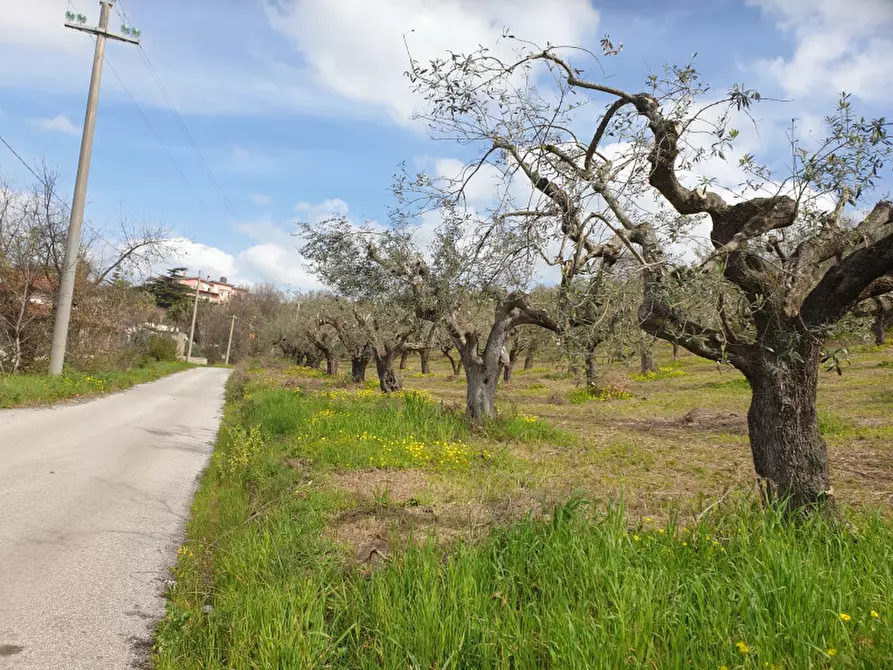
pixel 198 286
pixel 229 344
pixel 73 244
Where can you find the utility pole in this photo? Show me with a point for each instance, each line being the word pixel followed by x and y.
pixel 230 343
pixel 73 244
pixel 198 285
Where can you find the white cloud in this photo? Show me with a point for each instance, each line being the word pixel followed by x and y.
pixel 839 46
pixel 356 47
pixel 275 262
pixel 272 256
pixel 264 230
pixel 58 124
pixel 278 265
pixel 198 257
pixel 313 212
pixel 233 65
pixel 261 199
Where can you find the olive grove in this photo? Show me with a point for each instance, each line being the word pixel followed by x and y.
pixel 793 248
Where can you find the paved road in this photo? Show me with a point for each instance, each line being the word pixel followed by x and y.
pixel 93 498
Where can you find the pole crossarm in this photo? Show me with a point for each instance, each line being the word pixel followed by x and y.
pixel 96 30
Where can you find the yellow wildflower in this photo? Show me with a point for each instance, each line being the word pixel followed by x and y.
pixel 875 615
pixel 844 616
pixel 636 538
pixel 832 652
pixel 742 646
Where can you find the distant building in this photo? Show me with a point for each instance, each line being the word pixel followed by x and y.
pixel 213 291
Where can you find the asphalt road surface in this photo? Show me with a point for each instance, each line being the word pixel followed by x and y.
pixel 93 501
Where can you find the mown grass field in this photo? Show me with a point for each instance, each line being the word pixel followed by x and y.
pixel 29 390
pixel 338 528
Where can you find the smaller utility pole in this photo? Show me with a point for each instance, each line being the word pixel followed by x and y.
pixel 73 243
pixel 230 343
pixel 198 286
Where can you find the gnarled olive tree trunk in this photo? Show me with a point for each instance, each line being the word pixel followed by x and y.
pixel 455 361
pixel 358 365
pixel 646 358
pixel 384 366
pixel 481 375
pixel 483 362
pixel 789 454
pixel 878 327
pixel 331 363
pixel 591 373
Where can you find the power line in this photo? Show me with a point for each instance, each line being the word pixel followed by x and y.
pixel 187 133
pixel 25 163
pixel 158 137
pixel 178 117
pixel 52 192
pixel 149 123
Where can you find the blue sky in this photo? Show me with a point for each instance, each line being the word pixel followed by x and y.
pixel 299 107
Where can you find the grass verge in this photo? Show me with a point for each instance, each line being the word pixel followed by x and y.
pixel 262 582
pixel 28 390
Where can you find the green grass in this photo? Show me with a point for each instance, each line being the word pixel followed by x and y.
pixel 595 594
pixel 833 424
pixel 523 427
pixel 736 383
pixel 26 390
pixel 261 583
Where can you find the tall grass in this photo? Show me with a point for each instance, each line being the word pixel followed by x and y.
pixel 742 590
pixel 37 389
pixel 258 585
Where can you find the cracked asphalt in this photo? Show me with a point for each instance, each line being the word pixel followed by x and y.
pixel 93 502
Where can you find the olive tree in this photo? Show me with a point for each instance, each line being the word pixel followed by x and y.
pixel 793 252
pixel 382 308
pixel 469 282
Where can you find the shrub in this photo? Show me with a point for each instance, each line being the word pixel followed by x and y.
pixel 606 392
pixel 161 348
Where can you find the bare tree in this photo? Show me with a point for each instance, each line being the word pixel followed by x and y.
pixel 32 245
pixel 25 288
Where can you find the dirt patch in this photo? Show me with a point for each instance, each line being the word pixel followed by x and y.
pixel 705 419
pixel 871 469
pixel 371 535
pixel 397 486
pixel 388 515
